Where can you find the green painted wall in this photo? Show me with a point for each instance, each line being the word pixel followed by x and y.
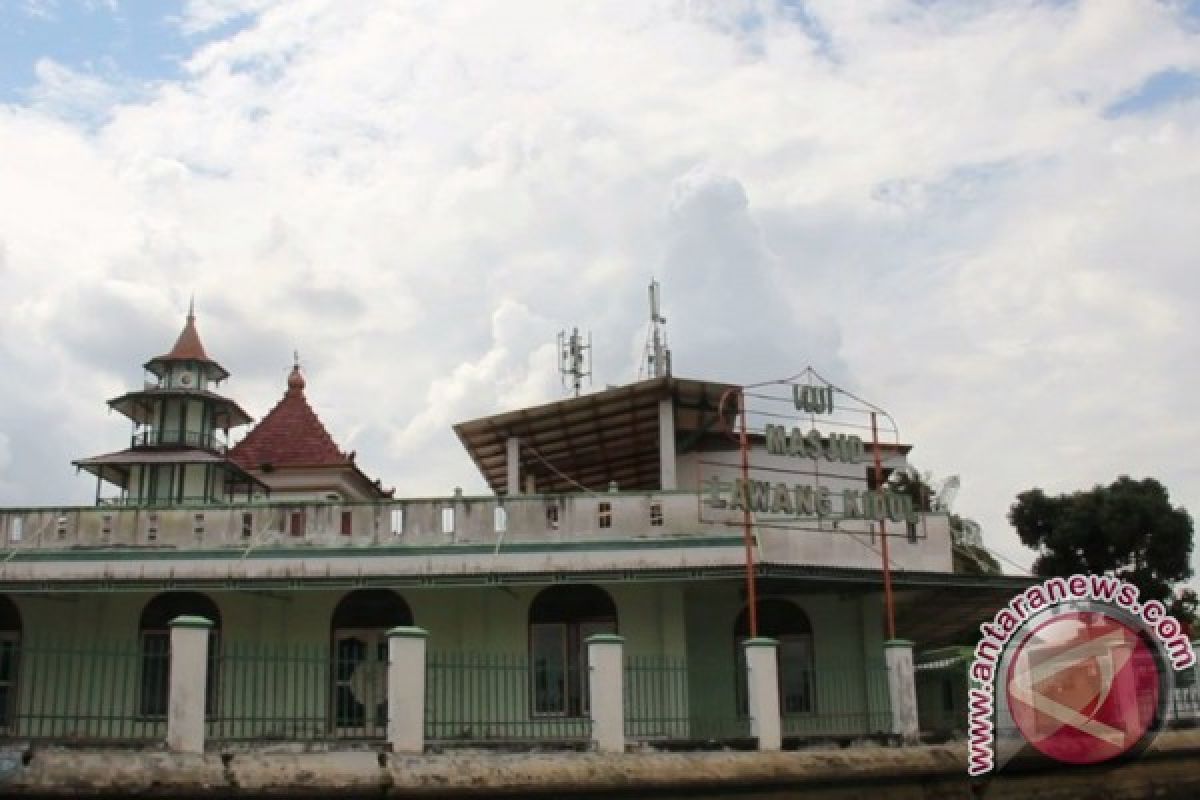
pixel 275 680
pixel 848 679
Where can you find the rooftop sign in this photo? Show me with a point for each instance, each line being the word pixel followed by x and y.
pixel 799 474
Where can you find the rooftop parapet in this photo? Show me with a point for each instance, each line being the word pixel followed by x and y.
pixel 472 524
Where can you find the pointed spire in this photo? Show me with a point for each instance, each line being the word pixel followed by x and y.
pixel 188 346
pixel 296 380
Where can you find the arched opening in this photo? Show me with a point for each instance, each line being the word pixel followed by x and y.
pixel 371 608
pixel 785 622
pixel 561 618
pixel 359 629
pixel 154 631
pixel 10 644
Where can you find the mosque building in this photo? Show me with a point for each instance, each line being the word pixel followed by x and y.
pixel 631 512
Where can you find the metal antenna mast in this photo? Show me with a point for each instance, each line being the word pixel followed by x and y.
pixel 658 355
pixel 575 358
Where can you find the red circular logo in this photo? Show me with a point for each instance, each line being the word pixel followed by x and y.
pixel 1083 687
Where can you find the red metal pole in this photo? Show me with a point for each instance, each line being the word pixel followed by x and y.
pixel 747 529
pixel 890 609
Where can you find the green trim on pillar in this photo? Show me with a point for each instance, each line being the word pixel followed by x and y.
pixel 407 632
pixel 605 638
pixel 890 643
pixel 188 621
pixel 761 641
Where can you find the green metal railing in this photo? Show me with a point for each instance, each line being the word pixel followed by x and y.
pixel 73 692
pixel 118 692
pixel 1183 707
pixel 669 699
pixel 301 692
pixel 272 692
pixel 837 699
pixel 656 698
pixel 487 697
pixel 169 436
pixel 666 699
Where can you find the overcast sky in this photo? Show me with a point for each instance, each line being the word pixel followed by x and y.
pixel 981 216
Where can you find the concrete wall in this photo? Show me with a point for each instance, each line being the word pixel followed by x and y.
pixel 814 540
pixel 696 467
pixel 1169 770
pixel 672 520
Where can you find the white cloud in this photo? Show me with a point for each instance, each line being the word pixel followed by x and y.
pixel 925 201
pixel 61 91
pixel 200 16
pixel 40 9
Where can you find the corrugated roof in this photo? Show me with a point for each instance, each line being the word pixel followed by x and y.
pixel 613 435
pixel 157 456
pixel 588 441
pixel 140 406
pixel 115 467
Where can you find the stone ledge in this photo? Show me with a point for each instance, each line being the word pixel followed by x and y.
pixel 1171 768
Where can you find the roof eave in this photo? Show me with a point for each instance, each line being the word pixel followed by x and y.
pixel 154 365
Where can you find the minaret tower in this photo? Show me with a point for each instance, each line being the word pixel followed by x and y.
pixel 178 449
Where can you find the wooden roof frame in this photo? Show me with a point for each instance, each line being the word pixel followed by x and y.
pixel 590 441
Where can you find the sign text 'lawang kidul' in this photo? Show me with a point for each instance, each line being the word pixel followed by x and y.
pixel 799 500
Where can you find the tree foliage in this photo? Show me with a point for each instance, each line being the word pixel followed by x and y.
pixel 1128 529
pixel 967 558
pixel 913 485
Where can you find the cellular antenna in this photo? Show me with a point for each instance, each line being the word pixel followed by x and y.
pixel 658 355
pixel 574 359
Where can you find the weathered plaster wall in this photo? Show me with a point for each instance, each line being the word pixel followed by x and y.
pixel 480 620
pixel 542 533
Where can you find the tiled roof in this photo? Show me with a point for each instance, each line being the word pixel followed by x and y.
pixel 290 435
pixel 188 346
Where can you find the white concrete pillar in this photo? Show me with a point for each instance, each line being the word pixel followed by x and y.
pixel 666 444
pixel 406 689
pixel 606 691
pixel 187 683
pixel 762 684
pixel 513 465
pixel 902 688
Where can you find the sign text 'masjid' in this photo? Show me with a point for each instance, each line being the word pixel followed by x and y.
pixel 846 448
pixel 799 500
